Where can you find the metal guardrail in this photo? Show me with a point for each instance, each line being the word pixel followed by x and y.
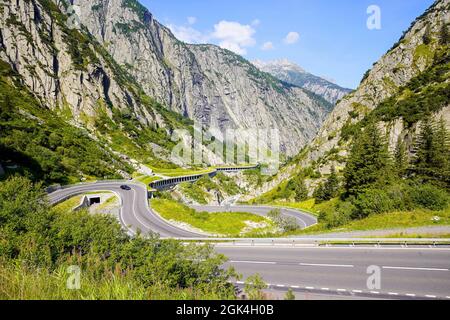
pixel 319 241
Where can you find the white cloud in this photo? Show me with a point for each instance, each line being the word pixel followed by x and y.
pixel 292 37
pixel 234 36
pixel 192 20
pixel 267 46
pixel 188 34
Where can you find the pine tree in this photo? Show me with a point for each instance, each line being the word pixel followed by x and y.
pixel 401 158
pixel 329 189
pixel 423 162
pixel 298 186
pixel 369 161
pixel 441 152
pixel 427 37
pixel 444 36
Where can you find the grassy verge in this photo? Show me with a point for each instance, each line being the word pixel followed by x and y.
pixel 145 179
pixel 385 221
pixel 73 202
pixel 228 224
pixel 20 283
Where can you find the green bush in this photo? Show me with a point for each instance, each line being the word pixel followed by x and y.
pixel 41 239
pixel 429 197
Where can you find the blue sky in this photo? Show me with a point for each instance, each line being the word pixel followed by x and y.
pixel 326 37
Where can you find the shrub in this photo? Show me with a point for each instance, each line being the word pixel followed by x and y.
pixel 373 201
pixel 429 197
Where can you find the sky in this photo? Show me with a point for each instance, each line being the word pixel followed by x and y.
pixel 328 38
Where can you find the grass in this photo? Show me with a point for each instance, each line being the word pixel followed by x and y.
pixel 69 204
pixel 73 202
pixel 227 224
pixel 385 221
pixel 19 283
pixel 145 179
pixel 411 219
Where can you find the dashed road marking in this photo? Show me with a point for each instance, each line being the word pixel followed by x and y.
pixel 341 290
pixel 325 289
pixel 327 265
pixel 309 288
pixel 357 291
pixel 410 295
pixel 374 292
pixel 416 269
pixel 430 296
pixel 253 262
pixel 393 293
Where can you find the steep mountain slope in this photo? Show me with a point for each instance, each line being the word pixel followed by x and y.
pixel 71 80
pixel 290 72
pixel 407 84
pixel 203 82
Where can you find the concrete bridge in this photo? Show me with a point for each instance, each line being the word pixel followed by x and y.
pixel 171 182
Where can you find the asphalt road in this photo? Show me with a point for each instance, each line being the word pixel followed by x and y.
pixel 136 214
pixel 415 273
pixel 314 272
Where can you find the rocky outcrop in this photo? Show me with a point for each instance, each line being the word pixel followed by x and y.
pixel 203 82
pixel 290 72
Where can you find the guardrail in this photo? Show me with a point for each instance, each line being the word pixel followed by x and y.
pixel 319 241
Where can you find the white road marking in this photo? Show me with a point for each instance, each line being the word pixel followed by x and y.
pixel 341 290
pixel 430 296
pixel 416 269
pixel 253 262
pixel 374 292
pixel 410 295
pixel 357 291
pixel 280 286
pixel 309 288
pixel 327 265
pixel 295 287
pixel 325 289
pixel 393 294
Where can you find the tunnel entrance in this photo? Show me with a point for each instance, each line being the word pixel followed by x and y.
pixel 94 200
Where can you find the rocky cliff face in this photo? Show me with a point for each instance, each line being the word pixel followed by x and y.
pixel 202 82
pixel 290 72
pixel 65 69
pixel 406 84
pixel 72 75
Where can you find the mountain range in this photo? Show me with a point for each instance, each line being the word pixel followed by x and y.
pixel 292 73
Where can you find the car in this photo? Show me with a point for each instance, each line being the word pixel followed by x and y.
pixel 124 187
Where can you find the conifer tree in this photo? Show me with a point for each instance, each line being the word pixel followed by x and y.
pixel 368 162
pixel 401 158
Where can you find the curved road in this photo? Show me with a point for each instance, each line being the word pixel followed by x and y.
pixel 136 214
pixel 312 272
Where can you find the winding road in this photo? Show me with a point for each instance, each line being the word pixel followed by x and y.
pixel 311 272
pixel 137 215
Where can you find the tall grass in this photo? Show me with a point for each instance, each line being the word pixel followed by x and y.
pixel 17 282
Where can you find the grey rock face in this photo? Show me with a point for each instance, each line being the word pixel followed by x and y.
pixel 203 82
pixel 38 44
pixel 292 73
